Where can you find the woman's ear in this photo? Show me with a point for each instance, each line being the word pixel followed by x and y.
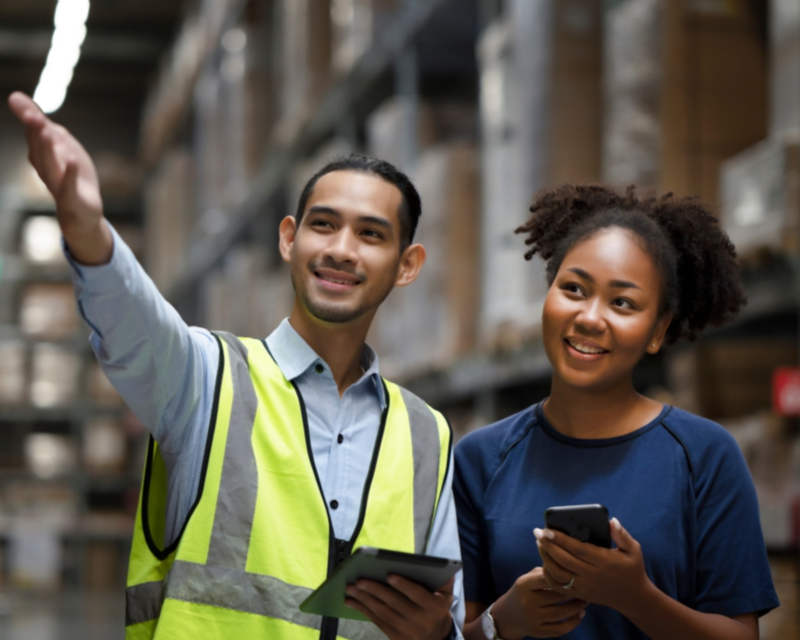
pixel 411 262
pixel 659 333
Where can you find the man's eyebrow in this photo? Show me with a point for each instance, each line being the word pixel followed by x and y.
pixel 382 222
pixel 377 220
pixel 319 208
pixel 616 284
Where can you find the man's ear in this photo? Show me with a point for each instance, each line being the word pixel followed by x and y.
pixel 411 262
pixel 659 333
pixel 287 231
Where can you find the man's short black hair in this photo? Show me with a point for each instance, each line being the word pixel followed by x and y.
pixel 410 208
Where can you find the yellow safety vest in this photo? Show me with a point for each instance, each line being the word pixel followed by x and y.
pixel 258 539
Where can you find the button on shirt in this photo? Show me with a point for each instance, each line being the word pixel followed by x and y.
pixel 342 430
pixel 166 371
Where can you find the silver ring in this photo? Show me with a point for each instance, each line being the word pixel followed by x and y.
pixel 568 585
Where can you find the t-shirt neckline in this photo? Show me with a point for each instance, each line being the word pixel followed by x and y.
pixel 595 442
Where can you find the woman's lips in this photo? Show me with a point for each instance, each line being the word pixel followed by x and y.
pixel 583 351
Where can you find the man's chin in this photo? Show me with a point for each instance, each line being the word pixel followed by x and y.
pixel 334 314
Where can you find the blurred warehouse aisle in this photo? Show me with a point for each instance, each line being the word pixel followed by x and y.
pixel 205 118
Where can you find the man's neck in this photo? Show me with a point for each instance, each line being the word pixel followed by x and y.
pixel 340 345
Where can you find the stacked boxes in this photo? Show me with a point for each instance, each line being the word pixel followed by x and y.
pixel 429 324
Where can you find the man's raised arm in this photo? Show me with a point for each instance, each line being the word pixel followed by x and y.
pixel 66 168
pixel 159 365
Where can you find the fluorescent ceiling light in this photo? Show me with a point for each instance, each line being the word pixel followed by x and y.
pixel 65 50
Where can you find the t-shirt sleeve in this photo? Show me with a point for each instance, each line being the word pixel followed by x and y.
pixel 469 489
pixel 733 575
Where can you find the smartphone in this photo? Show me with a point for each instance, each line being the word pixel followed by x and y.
pixel 584 522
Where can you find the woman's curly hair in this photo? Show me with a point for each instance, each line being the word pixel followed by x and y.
pixel 702 279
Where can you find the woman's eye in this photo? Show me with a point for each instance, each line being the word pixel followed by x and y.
pixel 622 303
pixel 572 288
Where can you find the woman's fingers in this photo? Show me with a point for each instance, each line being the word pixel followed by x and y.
pixel 557 629
pixel 563 561
pixel 563 610
pixel 621 537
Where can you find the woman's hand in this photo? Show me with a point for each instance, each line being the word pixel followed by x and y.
pixel 531 608
pixel 614 578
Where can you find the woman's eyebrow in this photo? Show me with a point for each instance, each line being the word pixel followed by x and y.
pixel 616 284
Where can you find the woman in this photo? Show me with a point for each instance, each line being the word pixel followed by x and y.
pixel 626 276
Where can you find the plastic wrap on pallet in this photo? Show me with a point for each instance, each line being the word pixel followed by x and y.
pixel 785 68
pixel 760 191
pixel 633 69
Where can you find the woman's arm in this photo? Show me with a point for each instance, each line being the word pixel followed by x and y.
pixel 529 608
pixel 617 579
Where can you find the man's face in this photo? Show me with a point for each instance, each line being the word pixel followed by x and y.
pixel 345 253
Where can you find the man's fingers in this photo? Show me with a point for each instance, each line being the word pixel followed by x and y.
pixel 26 110
pixel 417 593
pixel 387 629
pixel 382 603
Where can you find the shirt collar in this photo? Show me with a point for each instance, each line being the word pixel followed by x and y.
pixel 294 357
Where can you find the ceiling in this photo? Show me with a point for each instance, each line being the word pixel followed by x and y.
pixel 119 58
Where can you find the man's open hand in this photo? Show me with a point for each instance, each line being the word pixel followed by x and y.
pixel 69 174
pixel 404 610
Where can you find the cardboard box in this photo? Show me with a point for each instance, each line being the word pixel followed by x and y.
pixel 103 565
pixel 727 378
pixel 169 214
pixel 54 376
pixel 104 446
pixel 13 372
pixel 433 321
pixel 760 191
pixel 101 392
pixel 245 297
pixel 48 311
pixel 713 96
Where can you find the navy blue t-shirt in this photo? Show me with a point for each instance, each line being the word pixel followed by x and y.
pixel 679 485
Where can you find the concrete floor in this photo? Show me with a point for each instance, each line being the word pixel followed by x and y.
pixel 62 615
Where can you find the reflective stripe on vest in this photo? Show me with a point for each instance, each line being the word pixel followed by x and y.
pixel 232 559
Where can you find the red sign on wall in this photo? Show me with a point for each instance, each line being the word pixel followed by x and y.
pixel 786 391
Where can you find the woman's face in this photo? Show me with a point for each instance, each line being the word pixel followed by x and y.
pixel 601 313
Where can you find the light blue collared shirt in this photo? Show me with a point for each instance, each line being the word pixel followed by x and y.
pixel 166 371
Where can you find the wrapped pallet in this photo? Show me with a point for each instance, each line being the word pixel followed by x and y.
pixel 356 25
pixel 540 86
pixel 760 190
pixel 429 324
pixel 304 63
pixel 785 68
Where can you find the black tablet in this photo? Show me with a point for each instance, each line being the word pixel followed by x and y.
pixel 376 564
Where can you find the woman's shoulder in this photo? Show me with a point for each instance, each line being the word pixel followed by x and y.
pixel 707 444
pixel 487 446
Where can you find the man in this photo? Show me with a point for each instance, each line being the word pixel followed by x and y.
pixel 271 460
